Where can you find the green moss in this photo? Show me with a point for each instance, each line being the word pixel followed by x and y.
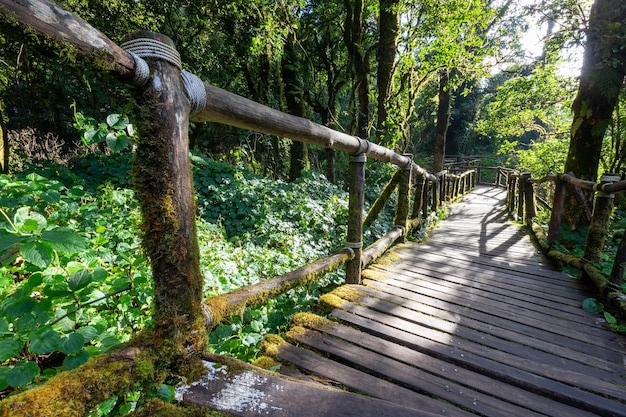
pixel 311 321
pixel 270 344
pixel 389 258
pixel 374 275
pixel 331 301
pixel 348 292
pixel 158 408
pixel 264 362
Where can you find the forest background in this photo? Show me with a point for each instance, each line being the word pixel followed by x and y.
pixel 432 78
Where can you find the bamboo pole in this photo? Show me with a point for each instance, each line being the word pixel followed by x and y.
pixel 382 199
pixel 355 217
pixel 520 198
pixel 381 245
pixel 222 306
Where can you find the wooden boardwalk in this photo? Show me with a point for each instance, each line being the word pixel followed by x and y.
pixel 472 322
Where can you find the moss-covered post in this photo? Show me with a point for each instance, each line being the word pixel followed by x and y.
pixel 418 199
pixel 520 197
pixel 403 203
pixel 619 264
pixel 510 195
pixel 356 202
pixel 164 188
pixel 599 225
pixel 529 199
pixel 556 217
pixel 426 199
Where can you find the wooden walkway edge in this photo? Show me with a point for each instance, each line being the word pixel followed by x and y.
pixel 472 322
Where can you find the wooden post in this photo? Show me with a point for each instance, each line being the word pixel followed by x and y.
pixel 436 192
pixel 403 204
pixel 599 225
pixel 356 202
pixel 529 199
pixel 556 217
pixel 520 198
pixel 418 199
pixel 619 264
pixel 164 188
pixel 426 200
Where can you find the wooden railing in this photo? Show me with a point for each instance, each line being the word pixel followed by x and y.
pixel 523 204
pixel 168 98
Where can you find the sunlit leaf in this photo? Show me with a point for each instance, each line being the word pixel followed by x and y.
pixel 37 253
pixel 64 240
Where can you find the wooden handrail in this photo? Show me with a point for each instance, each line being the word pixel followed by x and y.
pixel 609 287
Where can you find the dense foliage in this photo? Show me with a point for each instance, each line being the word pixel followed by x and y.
pixel 74 281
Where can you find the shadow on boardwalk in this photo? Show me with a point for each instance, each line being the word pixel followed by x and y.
pixel 472 322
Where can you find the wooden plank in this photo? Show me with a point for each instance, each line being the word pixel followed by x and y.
pixel 489 336
pixel 364 382
pixel 458 385
pixel 250 394
pixel 501 365
pixel 602 348
pixel 483 322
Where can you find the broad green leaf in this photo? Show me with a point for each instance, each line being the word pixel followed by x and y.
pixel 610 318
pixel 107 406
pixel 51 196
pixel 72 343
pixel 167 393
pixel 79 280
pixel 7 240
pixel 64 240
pixel 591 305
pixel 14 307
pixel 26 324
pixel 99 274
pixel 22 373
pixel 3 377
pixel 89 333
pixel 117 121
pixel 9 348
pixel 27 221
pixel 44 340
pixel 108 342
pixel 37 253
pixel 117 142
pixel 4 326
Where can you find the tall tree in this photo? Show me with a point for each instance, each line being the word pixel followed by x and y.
pixel 354 34
pixel 389 30
pixel 601 80
pixel 443 118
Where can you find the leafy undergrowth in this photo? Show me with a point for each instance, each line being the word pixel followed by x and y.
pixel 74 281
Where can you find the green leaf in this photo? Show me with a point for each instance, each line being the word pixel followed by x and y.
pixel 51 196
pixel 27 221
pixel 79 280
pixel 22 373
pixel 592 305
pixel 99 274
pixel 167 393
pixel 14 307
pixel 610 318
pixel 117 121
pixel 117 142
pixel 72 343
pixel 4 326
pixel 64 240
pixel 88 332
pixel 3 377
pixel 37 253
pixel 107 406
pixel 7 240
pixel 43 340
pixel 76 360
pixel 9 348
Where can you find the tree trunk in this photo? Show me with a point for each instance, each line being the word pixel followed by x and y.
pixel 386 55
pixel 164 188
pixel 602 78
pixel 443 117
pixel 353 38
pixel 4 146
pixel 294 98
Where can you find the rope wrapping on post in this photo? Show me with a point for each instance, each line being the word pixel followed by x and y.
pixel 194 88
pixel 143 48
